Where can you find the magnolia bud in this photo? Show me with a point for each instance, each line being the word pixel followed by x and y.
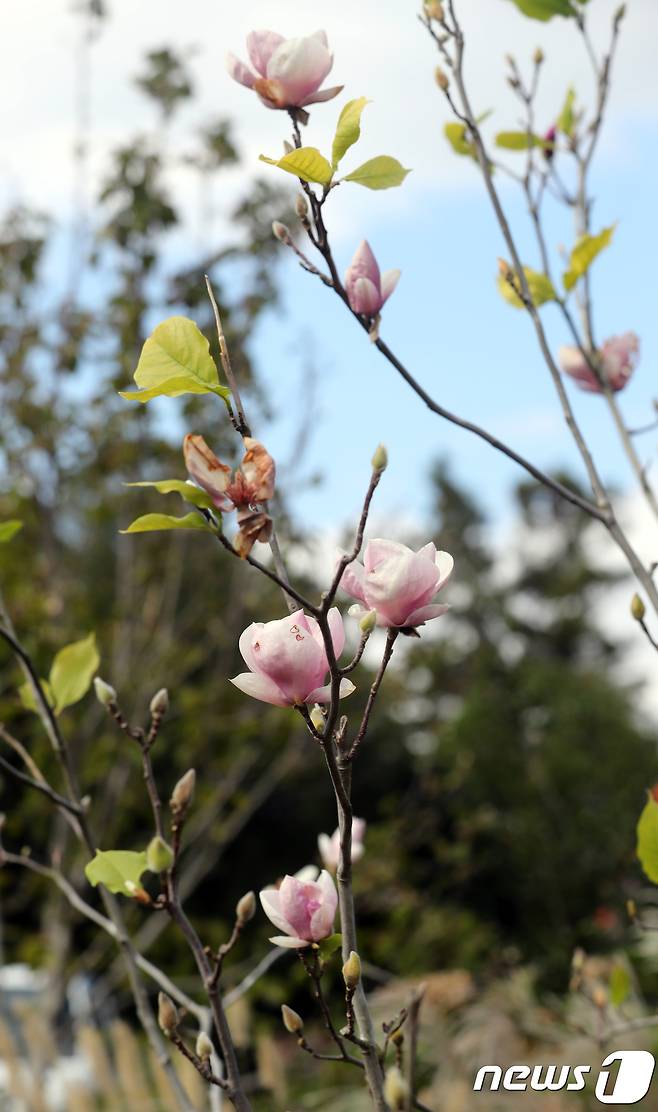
pixel 281 232
pixel 204 1047
pixel 638 609
pixel 396 1089
pixel 159 856
pixel 183 792
pixel 434 10
pixel 301 206
pixel 246 907
pixel 619 14
pixel 352 971
pixel 380 458
pixel 368 622
pixel 317 718
pixel 167 1015
pixel 159 703
pixel 105 694
pixel 291 1020
pixel 538 56
pixel 441 78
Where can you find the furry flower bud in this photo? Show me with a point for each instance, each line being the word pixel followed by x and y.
pixel 167 1015
pixel 434 10
pixel 380 458
pixel 246 907
pixel 441 78
pixel 638 609
pixel 368 622
pixel 204 1047
pixel 105 693
pixel 281 232
pixel 301 206
pixel 159 856
pixel 181 796
pixel 292 1022
pixel 159 703
pixel 395 1089
pixel 352 971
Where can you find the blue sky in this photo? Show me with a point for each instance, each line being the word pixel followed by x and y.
pixel 445 320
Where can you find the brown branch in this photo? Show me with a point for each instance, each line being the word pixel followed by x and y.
pixel 391 638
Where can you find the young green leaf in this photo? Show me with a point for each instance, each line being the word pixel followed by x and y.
pixel 540 286
pixel 382 172
pixel 9 529
pixel 567 119
pixel 29 700
pixel 620 985
pixel 348 129
pixel 187 491
pixel 517 140
pixel 73 670
pixel 305 163
pixel 545 9
pixel 647 839
pixel 456 134
pixel 175 360
pixel 153 523
pixel 584 253
pixel 119 870
pixel 329 945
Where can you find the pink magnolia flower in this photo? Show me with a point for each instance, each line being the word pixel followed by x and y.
pixel 617 359
pixel 367 290
pixel 303 907
pixel 288 72
pixel 329 847
pixel 288 662
pixel 398 583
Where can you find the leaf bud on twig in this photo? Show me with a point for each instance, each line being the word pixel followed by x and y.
pixel 352 971
pixel 159 856
pixel 167 1015
pixel 181 796
pixel 105 693
pixel 380 458
pixel 317 718
pixel 538 56
pixel 292 1022
pixel 396 1089
pixel 159 703
pixel 281 232
pixel 204 1047
pixel 368 622
pixel 442 79
pixel 434 10
pixel 638 609
pixel 301 206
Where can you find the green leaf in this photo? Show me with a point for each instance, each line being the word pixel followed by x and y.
pixel 28 698
pixel 329 945
pixel 584 253
pixel 382 172
pixel 153 523
pixel 620 985
pixel 348 129
pixel 647 839
pixel 175 360
pixel 306 163
pixel 117 870
pixel 567 118
pixel 545 9
pixel 73 669
pixel 540 286
pixel 456 134
pixel 187 491
pixel 517 140
pixel 9 529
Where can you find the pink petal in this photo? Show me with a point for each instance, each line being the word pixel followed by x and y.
pixel 239 72
pixel 270 899
pixel 262 688
pixel 358 831
pixel 290 656
pixel 364 297
pixel 261 46
pixel 322 95
pixel 308 873
pixel 352 580
pixel 380 549
pixel 326 849
pixel 390 279
pixel 288 943
pixel 322 921
pixel 323 694
pixel 300 65
pixel 574 365
pixel 337 630
pixel 445 564
pixel 247 638
pixel 425 614
pixel 364 264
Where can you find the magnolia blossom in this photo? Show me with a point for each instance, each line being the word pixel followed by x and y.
pixel 367 290
pixel 288 661
pixel 303 907
pixel 288 72
pixel 329 847
pixel 398 583
pixel 244 491
pixel 616 359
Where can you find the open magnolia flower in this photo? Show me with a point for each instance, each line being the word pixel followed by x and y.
pixel 244 491
pixel 616 359
pixel 329 847
pixel 303 907
pixel 287 73
pixel 398 583
pixel 367 289
pixel 288 661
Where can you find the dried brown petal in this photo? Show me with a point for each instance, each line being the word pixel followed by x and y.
pixel 210 473
pixel 259 470
pixel 254 526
